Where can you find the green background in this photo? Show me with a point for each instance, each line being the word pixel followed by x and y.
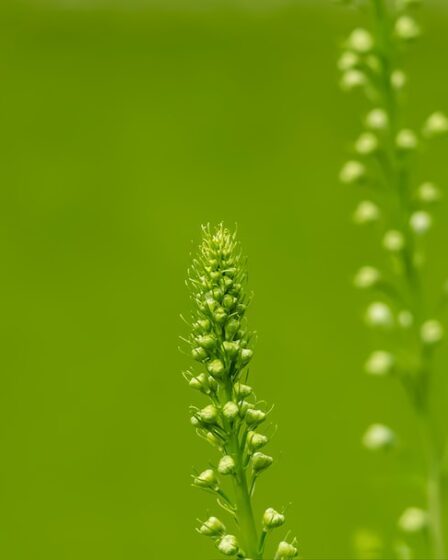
pixel 125 126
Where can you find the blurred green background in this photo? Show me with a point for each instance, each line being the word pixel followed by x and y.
pixel 124 126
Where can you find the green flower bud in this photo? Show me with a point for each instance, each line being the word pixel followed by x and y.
pixel 201 326
pixel 228 545
pixel 231 348
pixel 213 440
pixel 228 301
pixel 220 315
pixel 226 465
pixel 216 368
pixel 261 462
pixel 200 383
pixel 242 391
pixel 207 341
pixel 209 414
pixel 199 354
pixel 272 519
pixel 256 441
pixel 230 410
pixel 232 327
pixel 286 550
pixel 213 527
pixel 255 416
pixel 246 355
pixel 207 479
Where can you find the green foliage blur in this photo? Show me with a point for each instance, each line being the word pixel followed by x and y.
pixel 124 127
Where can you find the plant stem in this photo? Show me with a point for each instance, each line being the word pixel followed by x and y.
pixel 243 500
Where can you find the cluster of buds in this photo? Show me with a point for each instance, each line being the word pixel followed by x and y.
pixel 221 345
pixel 399 205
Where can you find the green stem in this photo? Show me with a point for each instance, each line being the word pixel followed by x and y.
pixel 243 500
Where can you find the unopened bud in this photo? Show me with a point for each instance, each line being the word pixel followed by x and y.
pixel 207 479
pixel 246 355
pixel 366 277
pixel 285 551
pixel 420 222
pixel 360 41
pixel 226 465
pixel 261 462
pixel 255 416
pixel 428 193
pixel 378 437
pixel 406 140
pixel 256 441
pixel 431 332
pixel 379 314
pixel 393 241
pixel 228 545
pixel 241 390
pixel 232 327
pixel 380 363
pixel 352 172
pixel 199 354
pixel 213 527
pixel 406 28
pixel 435 125
pixel 352 79
pixel 230 410
pixel 413 520
pixel 398 79
pixel 216 368
pixel 366 212
pixel 231 348
pixel 272 519
pixel 209 414
pixel 377 119
pixel 366 144
pixel 347 61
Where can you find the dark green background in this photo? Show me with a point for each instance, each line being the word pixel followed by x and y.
pixel 122 130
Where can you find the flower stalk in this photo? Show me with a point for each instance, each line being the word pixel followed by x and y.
pixel 400 208
pixel 222 346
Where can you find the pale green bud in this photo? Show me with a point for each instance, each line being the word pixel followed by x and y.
pixel 242 391
pixel 420 222
pixel 431 332
pixel 246 355
pixel 398 79
pixel 199 354
pixel 361 41
pixel 200 383
pixel 406 28
pixel 207 341
pixel 255 416
pixel 366 212
pixel 435 125
pixel 366 144
pixel 379 363
pixel 348 60
pixel 213 440
pixel 405 319
pixel 228 545
pixel 379 314
pixel 220 315
pixel 209 414
pixel 406 140
pixel 212 527
pixel 272 519
pixel 377 119
pixel 378 437
pixel 352 172
pixel 207 479
pixel 226 465
pixel 228 301
pixel 393 241
pixel 428 193
pixel 231 348
pixel 352 79
pixel 366 277
pixel 216 368
pixel 261 462
pixel 230 410
pixel 413 520
pixel 256 441
pixel 232 327
pixel 286 550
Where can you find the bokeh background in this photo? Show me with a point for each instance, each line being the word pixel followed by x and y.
pixel 124 126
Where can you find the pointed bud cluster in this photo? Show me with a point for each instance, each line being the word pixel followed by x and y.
pixel 219 337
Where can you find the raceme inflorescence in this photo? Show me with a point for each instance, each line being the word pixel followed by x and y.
pixel 231 418
pixel 398 203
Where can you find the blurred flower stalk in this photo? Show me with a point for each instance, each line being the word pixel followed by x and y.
pixel 399 205
pixel 231 417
